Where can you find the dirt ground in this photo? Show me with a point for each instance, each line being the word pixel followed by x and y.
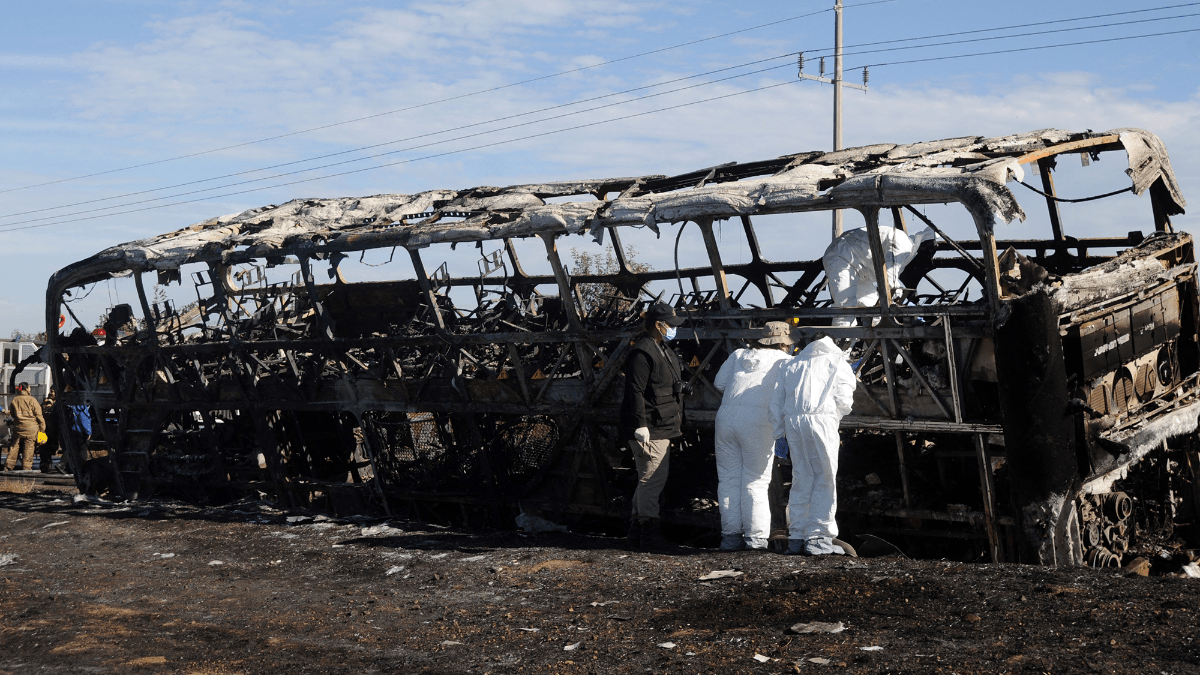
pixel 97 587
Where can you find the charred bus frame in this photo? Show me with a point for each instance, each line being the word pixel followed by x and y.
pixel 1076 368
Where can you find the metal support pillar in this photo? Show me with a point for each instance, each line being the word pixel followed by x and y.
pixel 714 258
pixel 1159 198
pixel 141 291
pixel 427 288
pixel 879 261
pixel 370 443
pixel 756 258
pixel 324 320
pixel 563 280
pixel 572 304
pixel 988 489
pixel 1045 166
pixel 991 267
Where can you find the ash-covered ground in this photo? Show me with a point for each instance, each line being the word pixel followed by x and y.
pixel 97 587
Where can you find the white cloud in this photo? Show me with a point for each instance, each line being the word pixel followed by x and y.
pixel 232 74
pixel 223 64
pixel 33 61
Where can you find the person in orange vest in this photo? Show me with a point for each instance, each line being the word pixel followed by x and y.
pixel 26 414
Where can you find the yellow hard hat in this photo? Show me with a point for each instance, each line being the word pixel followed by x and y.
pixel 42 437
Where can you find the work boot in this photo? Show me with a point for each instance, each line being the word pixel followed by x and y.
pixel 652 539
pixel 45 468
pixel 757 543
pixel 795 547
pixel 732 542
pixel 778 541
pixel 634 538
pixel 822 546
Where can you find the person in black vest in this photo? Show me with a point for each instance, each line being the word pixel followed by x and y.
pixel 651 416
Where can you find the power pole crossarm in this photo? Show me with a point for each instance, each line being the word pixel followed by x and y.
pixel 837 83
pixel 827 80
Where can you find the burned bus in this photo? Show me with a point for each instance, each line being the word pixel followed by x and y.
pixel 456 355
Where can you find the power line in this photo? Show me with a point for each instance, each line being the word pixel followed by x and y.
pixel 1030 49
pixel 586 100
pixel 61 216
pixel 789 55
pixel 416 147
pixel 436 102
pixel 11 226
pixel 1015 26
pixel 1017 35
pixel 418 159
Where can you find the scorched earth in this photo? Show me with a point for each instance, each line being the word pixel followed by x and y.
pixel 100 587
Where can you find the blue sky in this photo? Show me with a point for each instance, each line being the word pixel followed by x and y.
pixel 89 87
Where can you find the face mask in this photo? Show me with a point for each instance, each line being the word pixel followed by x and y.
pixel 670 334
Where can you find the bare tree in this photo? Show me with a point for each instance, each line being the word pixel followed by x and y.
pixel 27 336
pixel 599 296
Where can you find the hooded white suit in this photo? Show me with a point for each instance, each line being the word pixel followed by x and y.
pixel 745 443
pixel 851 273
pixel 815 390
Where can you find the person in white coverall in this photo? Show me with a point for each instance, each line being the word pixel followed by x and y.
pixel 744 439
pixel 851 274
pixel 815 391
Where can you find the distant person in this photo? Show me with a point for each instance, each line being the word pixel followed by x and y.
pixel 47 450
pixel 27 420
pixel 651 416
pixel 745 442
pixel 815 391
pixel 78 430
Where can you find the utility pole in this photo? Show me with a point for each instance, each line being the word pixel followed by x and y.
pixel 837 99
pixel 837 92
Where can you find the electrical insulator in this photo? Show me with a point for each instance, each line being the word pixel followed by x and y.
pixel 800 61
pixel 822 66
pixel 866 75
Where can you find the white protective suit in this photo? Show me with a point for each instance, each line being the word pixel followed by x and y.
pixel 815 390
pixel 851 274
pixel 745 443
